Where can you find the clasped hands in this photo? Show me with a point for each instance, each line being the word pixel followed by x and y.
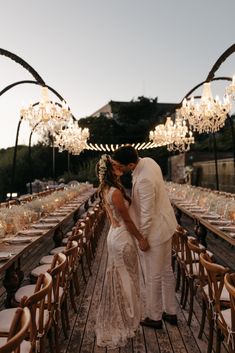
pixel 143 244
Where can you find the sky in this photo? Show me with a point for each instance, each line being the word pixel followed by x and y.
pixel 94 51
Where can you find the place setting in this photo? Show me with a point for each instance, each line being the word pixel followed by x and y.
pixel 5 255
pixel 228 228
pixel 18 240
pixel 210 217
pixel 44 226
pixel 30 232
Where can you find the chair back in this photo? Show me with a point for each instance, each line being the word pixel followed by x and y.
pixel 71 253
pixel 57 272
pixel 215 273
pixel 229 282
pixel 18 331
pixel 39 304
pixel 195 266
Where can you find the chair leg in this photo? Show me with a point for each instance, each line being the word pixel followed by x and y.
pixel 191 298
pixel 183 277
pixel 178 277
pixel 203 319
pixel 211 330
pixel 66 314
pixel 50 339
pixel 83 271
pixel 63 320
pixel 218 340
pixel 76 282
pixel 88 259
pixel 71 294
pixel 186 290
pixel 56 336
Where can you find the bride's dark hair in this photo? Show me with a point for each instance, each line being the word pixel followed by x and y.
pixel 104 171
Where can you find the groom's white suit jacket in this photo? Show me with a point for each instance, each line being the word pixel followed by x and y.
pixel 151 209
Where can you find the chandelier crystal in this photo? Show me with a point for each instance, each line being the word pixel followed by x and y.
pixel 176 136
pixel 209 114
pixel 72 138
pixel 49 114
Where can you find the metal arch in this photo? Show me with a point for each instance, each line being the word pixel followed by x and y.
pixel 12 85
pixel 201 83
pixel 219 61
pixel 23 63
pixel 7 88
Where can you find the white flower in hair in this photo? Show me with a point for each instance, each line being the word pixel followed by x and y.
pixel 103 166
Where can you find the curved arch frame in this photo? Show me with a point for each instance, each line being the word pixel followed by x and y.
pixel 7 88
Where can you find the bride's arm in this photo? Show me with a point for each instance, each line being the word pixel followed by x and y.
pixel 118 201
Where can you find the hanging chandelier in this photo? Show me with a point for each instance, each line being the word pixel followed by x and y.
pixel 209 114
pixel 49 114
pixel 158 135
pixel 180 136
pixel 72 138
pixel 176 136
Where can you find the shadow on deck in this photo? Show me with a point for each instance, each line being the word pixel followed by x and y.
pixel 171 339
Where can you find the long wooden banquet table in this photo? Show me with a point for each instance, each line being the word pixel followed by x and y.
pixel 27 247
pixel 203 224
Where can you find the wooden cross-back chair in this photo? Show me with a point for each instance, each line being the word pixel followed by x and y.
pixel 15 341
pixel 217 292
pixel 39 304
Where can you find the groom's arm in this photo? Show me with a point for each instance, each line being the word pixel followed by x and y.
pixel 145 193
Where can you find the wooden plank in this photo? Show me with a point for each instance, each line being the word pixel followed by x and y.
pixel 163 341
pixel 139 342
pixel 151 341
pixel 188 335
pixel 175 338
pixel 128 347
pixel 78 340
pixel 89 340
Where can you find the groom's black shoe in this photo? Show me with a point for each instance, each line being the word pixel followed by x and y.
pixel 172 319
pixel 157 324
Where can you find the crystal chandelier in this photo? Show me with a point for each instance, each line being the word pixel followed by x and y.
pixel 176 136
pixel 50 115
pixel 72 138
pixel 180 137
pixel 158 136
pixel 209 114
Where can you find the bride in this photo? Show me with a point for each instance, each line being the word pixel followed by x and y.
pixel 119 310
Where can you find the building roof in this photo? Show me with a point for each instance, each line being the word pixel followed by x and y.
pixel 113 107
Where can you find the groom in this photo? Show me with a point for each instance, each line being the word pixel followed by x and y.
pixel 153 215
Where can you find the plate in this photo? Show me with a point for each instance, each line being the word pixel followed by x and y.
pixel 208 216
pixel 220 222
pixel 17 240
pixel 44 226
pixel 30 232
pixel 5 255
pixel 196 210
pixel 68 208
pixel 228 228
pixel 59 213
pixel 49 220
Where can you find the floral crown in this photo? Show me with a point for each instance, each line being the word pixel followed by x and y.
pixel 103 166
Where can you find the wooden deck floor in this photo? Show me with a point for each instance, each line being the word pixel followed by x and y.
pixel 171 339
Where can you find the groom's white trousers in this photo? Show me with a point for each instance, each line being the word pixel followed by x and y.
pixel 158 289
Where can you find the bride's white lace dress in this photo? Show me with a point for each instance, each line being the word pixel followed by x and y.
pixel 119 310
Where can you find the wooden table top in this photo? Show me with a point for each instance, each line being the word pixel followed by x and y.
pixel 197 217
pixel 19 249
